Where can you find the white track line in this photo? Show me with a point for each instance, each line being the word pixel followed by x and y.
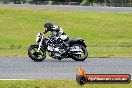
pixel 25 79
pixel 17 79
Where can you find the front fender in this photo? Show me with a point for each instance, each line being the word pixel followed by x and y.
pixel 38 45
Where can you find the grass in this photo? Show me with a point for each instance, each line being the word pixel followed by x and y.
pixel 57 84
pixel 107 34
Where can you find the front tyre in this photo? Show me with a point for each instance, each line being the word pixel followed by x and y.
pixel 36 56
pixel 83 54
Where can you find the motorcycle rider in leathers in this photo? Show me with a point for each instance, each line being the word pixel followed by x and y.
pixel 57 33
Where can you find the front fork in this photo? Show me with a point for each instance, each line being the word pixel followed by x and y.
pixel 40 44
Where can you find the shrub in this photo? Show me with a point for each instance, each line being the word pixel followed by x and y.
pixel 85 3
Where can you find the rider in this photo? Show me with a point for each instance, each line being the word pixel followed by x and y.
pixel 57 32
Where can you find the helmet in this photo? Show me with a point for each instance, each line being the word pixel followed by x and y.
pixel 48 25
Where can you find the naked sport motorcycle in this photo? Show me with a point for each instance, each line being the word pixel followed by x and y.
pixel 56 48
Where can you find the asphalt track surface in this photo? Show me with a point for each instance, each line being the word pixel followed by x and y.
pixel 25 68
pixel 69 7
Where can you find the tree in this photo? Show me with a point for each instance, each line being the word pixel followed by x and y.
pixel 120 2
pixel 18 1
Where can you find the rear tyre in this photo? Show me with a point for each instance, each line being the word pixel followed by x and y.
pixel 36 56
pixel 82 56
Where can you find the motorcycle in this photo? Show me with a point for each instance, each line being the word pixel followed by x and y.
pixel 57 49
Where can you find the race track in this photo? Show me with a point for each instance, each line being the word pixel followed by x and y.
pixel 25 68
pixel 69 7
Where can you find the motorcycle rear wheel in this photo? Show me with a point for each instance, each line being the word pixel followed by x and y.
pixel 78 57
pixel 36 56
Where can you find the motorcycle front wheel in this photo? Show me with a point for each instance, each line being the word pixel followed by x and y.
pixel 36 56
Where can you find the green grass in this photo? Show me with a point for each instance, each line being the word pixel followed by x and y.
pixel 107 34
pixel 57 84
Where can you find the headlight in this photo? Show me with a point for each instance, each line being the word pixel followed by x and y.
pixel 38 37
